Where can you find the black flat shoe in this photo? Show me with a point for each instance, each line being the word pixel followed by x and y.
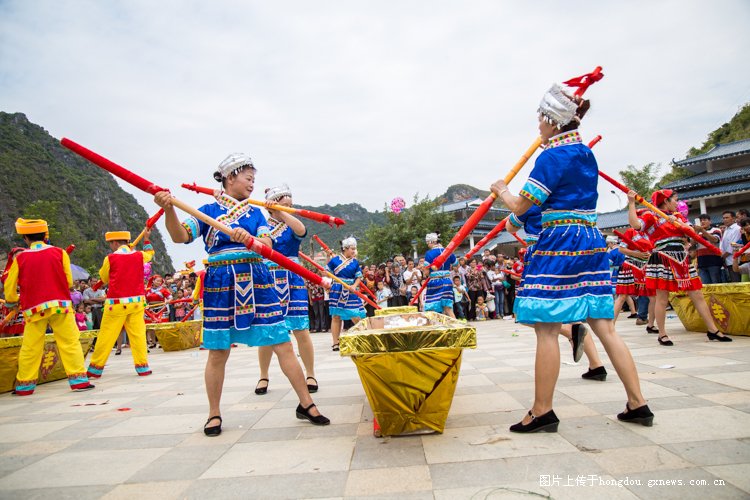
pixel 665 342
pixel 311 388
pixel 261 390
pixel 641 415
pixel 335 347
pixel 652 329
pixel 543 423
pixel 212 431
pixel 577 335
pixel 599 373
pixel 118 352
pixel 633 315
pixel 718 336
pixel 304 413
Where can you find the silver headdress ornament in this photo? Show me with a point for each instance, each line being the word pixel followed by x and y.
pixel 431 238
pixel 233 164
pixel 557 107
pixel 349 242
pixel 278 192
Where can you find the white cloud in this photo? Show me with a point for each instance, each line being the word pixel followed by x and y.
pixel 361 102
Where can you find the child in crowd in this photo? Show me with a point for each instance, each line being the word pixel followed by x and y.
pixel 89 318
pixel 81 317
pixel 482 310
pixel 179 308
pixel 383 294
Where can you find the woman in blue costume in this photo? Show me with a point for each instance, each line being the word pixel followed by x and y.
pixel 287 233
pixel 567 280
pixel 240 302
pixel 439 293
pixel 343 304
pixel 576 333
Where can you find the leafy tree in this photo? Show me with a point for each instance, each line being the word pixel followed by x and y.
pixel 399 231
pixel 736 129
pixel 642 180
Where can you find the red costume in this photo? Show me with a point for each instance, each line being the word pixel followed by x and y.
pixel 669 267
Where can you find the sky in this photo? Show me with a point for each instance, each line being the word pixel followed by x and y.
pixel 361 102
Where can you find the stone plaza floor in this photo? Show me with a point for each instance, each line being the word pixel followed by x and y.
pixel 141 437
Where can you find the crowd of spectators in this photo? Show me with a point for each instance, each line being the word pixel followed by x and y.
pixel 483 287
pixel 732 234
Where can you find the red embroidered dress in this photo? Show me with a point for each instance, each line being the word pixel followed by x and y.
pixel 669 267
pixel 631 277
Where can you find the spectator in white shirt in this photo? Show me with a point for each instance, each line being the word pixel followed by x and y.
pixel 731 235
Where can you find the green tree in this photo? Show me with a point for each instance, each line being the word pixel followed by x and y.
pixel 642 180
pixel 396 235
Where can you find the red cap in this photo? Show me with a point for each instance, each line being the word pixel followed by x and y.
pixel 522 252
pixel 658 197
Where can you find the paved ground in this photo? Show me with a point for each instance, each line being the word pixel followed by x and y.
pixel 58 444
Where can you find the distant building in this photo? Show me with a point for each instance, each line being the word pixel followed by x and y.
pixel 721 180
pixel 461 211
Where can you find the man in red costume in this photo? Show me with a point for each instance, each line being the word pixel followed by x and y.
pixel 43 274
pixel 123 271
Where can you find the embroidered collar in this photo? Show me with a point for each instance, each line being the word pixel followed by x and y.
pixel 564 139
pixel 37 245
pixel 124 249
pixel 277 227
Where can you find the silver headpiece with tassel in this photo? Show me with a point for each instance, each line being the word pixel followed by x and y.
pixel 278 192
pixel 233 164
pixel 557 108
pixel 431 238
pixel 349 242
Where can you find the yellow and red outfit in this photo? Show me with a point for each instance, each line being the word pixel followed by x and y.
pixel 123 271
pixel 43 274
pixel 669 267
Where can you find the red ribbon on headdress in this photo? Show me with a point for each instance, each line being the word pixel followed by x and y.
pixel 583 82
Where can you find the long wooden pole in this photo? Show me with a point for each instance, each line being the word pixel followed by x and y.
pixel 338 280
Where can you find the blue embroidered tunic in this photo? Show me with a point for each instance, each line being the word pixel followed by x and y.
pixel 568 279
pixel 290 287
pixel 240 303
pixel 342 302
pixel 439 292
pixel 531 222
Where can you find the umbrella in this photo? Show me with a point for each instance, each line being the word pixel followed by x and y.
pixel 79 273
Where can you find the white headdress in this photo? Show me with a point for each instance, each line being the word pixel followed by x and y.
pixel 431 238
pixel 349 242
pixel 278 192
pixel 233 164
pixel 557 108
pixel 612 239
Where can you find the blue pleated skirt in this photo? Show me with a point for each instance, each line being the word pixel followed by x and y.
pixel 292 294
pixel 567 278
pixel 240 305
pixel 439 292
pixel 343 303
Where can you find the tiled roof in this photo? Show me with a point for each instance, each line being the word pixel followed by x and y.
pixel 709 178
pixel 717 152
pixel 468 204
pixel 715 190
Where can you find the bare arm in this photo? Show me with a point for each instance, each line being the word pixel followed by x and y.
pixel 176 230
pixel 633 219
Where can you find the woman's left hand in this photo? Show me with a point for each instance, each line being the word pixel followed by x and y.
pixel 240 235
pixel 498 187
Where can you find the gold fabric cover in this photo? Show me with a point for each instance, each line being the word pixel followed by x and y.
pixel 729 304
pixel 396 310
pixel 175 336
pixel 409 373
pixel 51 368
pixel 380 334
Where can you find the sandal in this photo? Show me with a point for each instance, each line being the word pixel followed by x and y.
pixel 261 390
pixel 215 430
pixel 335 347
pixel 311 388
